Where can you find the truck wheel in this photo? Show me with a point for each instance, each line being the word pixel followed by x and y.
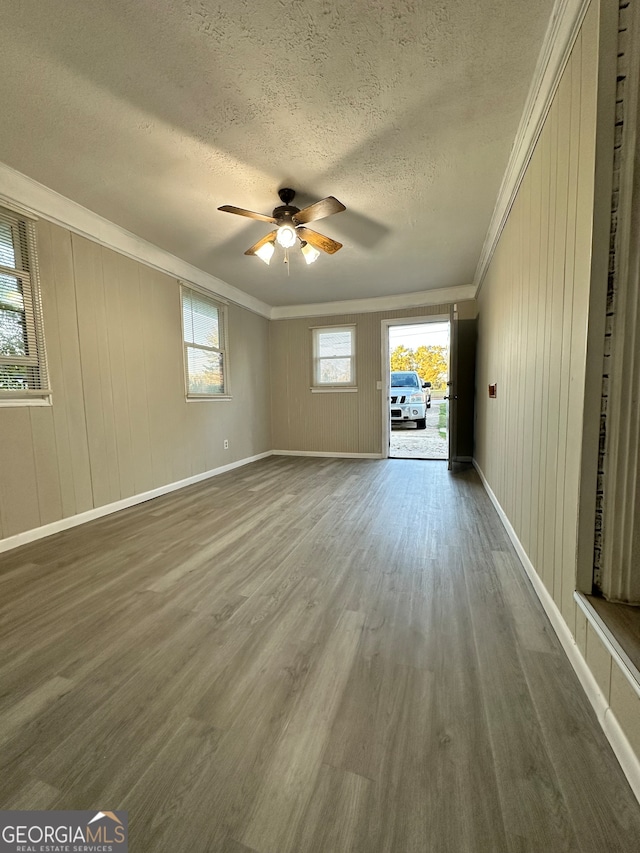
pixel 421 423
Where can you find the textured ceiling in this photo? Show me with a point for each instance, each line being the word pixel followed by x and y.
pixel 153 113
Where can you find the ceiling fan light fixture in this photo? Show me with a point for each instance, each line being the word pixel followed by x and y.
pixel 265 253
pixel 291 227
pixel 286 236
pixel 310 254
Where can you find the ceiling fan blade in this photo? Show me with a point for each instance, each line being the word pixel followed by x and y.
pixel 325 207
pixel 229 208
pixel 270 238
pixel 319 241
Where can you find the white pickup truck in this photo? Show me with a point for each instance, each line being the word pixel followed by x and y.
pixel 410 398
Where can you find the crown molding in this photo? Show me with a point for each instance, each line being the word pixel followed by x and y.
pixel 566 19
pixel 376 303
pixel 35 199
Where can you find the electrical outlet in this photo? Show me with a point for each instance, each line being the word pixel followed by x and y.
pixel 226 444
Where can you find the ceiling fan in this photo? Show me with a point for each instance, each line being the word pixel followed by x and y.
pixel 291 222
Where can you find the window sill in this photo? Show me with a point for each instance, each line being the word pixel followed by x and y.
pixel 224 397
pixel 332 390
pixel 27 401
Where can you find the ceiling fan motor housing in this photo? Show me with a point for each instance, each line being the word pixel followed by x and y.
pixel 284 214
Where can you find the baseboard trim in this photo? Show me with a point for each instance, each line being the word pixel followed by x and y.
pixel 99 512
pixel 327 454
pixel 629 761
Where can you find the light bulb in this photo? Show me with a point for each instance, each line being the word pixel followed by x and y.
pixel 310 254
pixel 265 253
pixel 286 236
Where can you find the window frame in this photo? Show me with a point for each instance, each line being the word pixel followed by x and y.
pixel 328 387
pixel 23 229
pixel 223 349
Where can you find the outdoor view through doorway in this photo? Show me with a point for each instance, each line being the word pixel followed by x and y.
pixel 423 348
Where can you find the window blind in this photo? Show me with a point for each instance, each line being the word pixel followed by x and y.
pixel 23 366
pixel 204 345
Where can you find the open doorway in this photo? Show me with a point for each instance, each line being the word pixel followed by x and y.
pixel 417 353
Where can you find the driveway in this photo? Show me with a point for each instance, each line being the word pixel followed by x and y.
pixel 409 442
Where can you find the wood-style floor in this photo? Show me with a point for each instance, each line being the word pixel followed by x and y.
pixel 302 655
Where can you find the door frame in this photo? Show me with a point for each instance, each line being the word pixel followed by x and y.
pixel 385 325
pixel 452 387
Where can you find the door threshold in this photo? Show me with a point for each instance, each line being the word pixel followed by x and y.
pixel 421 458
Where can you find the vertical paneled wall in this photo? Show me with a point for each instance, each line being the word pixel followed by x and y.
pixel 331 422
pixel 532 333
pixel 119 424
pixel 534 314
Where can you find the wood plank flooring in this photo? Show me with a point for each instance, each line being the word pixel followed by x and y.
pixel 302 656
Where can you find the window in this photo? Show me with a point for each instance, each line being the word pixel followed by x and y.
pixel 205 358
pixel 23 366
pixel 334 356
